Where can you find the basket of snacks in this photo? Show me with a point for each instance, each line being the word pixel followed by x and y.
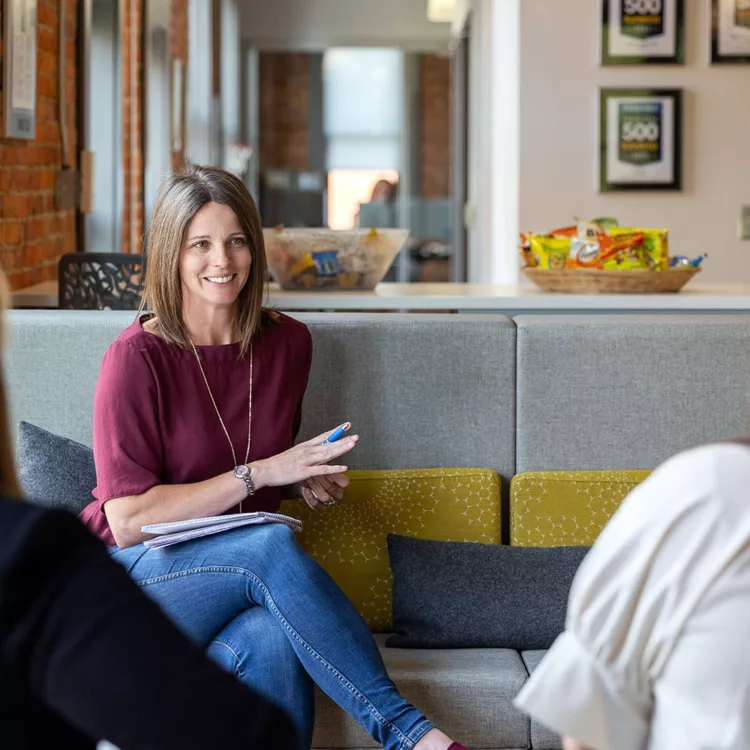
pixel 600 257
pixel 326 259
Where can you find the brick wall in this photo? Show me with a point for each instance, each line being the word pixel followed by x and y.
pixel 133 89
pixel 179 48
pixel 284 104
pixel 33 234
pixel 434 125
pixel 132 125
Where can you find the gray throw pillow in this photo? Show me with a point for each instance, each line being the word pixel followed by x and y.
pixel 468 595
pixel 55 472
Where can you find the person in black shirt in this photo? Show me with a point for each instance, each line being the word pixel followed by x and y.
pixel 85 655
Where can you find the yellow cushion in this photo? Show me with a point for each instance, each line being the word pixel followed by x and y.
pixel 560 508
pixel 349 538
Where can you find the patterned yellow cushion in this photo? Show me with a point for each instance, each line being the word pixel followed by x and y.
pixel 349 538
pixel 559 508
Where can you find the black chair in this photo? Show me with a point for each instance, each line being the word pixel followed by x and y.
pixel 100 281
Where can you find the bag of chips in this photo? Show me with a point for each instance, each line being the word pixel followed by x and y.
pixel 655 255
pixel 624 252
pixel 550 252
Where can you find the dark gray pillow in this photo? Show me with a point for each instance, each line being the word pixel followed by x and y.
pixel 55 472
pixel 468 595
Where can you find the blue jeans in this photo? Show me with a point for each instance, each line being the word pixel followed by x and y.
pixel 270 614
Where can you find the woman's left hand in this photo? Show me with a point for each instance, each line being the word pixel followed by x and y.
pixel 324 490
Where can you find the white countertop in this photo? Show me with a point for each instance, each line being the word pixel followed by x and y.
pixel 471 297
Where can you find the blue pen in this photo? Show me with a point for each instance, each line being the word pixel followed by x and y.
pixel 338 433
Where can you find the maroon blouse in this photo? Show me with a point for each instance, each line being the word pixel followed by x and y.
pixel 154 422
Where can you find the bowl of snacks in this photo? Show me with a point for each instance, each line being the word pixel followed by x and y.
pixel 602 257
pixel 327 259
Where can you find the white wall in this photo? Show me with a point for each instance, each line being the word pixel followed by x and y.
pixel 317 24
pixel 560 78
pixel 493 181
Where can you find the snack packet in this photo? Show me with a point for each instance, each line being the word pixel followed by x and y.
pixel 528 257
pixel 585 253
pixel 624 252
pixel 655 251
pixel 570 231
pixel 550 252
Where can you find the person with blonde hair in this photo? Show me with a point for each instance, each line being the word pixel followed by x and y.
pixel 196 411
pixel 84 655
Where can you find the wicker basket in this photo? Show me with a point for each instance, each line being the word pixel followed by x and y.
pixel 590 281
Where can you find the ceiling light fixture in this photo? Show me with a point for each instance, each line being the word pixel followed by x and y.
pixel 440 11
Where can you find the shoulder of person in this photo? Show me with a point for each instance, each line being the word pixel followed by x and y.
pixel 133 340
pixel 126 356
pixel 707 480
pixel 707 464
pixel 280 324
pixel 29 531
pixel 137 333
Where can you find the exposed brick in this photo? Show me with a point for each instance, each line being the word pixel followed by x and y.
pixel 284 106
pixel 46 85
pixel 29 241
pixel 46 15
pixel 33 233
pixel 434 125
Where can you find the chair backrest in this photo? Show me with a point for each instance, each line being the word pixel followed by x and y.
pixel 423 391
pixel 100 281
pixel 611 392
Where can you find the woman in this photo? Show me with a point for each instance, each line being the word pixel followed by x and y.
pixel 61 623
pixel 655 649
pixel 195 414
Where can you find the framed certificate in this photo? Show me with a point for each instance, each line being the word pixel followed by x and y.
pixel 730 31
pixel 640 140
pixel 643 32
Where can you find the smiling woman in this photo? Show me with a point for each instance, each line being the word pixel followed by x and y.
pixel 196 410
pixel 205 224
pixel 215 262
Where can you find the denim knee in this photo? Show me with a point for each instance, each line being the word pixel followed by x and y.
pixel 270 543
pixel 256 640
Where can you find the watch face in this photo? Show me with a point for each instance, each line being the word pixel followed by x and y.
pixel 241 471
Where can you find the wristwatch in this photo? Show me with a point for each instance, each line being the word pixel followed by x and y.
pixel 243 472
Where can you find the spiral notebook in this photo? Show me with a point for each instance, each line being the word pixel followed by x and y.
pixel 195 528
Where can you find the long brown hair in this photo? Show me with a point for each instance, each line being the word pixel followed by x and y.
pixel 9 486
pixel 180 197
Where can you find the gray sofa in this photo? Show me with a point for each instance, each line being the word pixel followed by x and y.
pixel 530 394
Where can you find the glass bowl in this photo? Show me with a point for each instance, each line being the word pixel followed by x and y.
pixel 327 259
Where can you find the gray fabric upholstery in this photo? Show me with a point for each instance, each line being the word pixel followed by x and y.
pixel 411 384
pixel 406 391
pixel 467 693
pixel 627 391
pixel 54 471
pixel 467 595
pixel 52 364
pixel 541 737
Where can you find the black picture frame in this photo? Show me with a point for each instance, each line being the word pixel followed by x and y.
pixel 676 58
pixel 673 142
pixel 716 57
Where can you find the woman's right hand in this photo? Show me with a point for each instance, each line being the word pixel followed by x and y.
pixel 303 461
